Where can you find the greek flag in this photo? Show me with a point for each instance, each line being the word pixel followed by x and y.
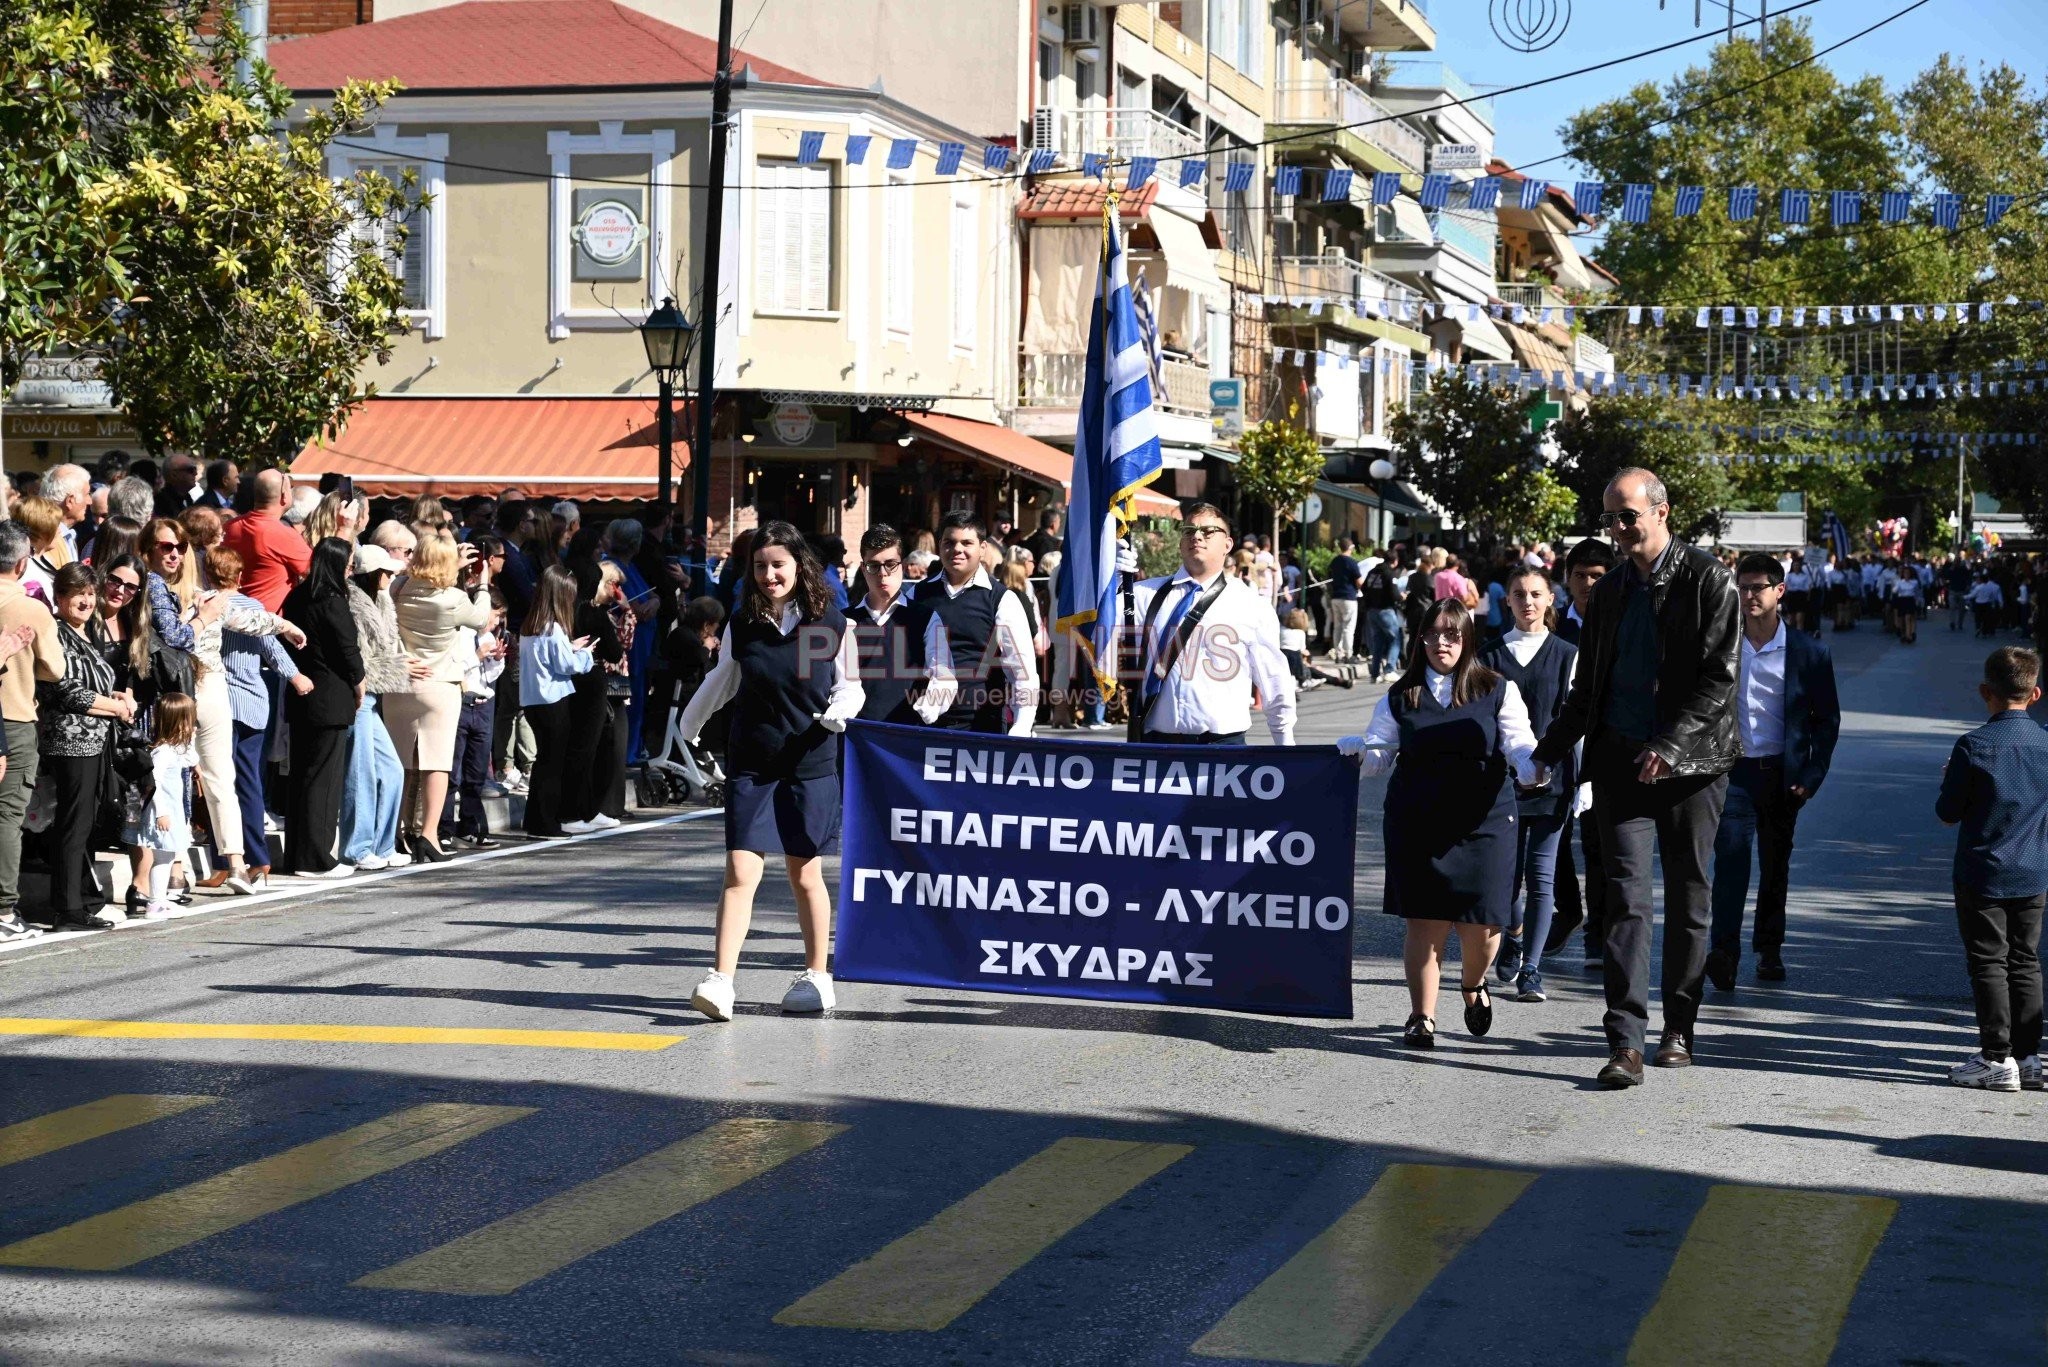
pixel 1116 453
pixel 1837 534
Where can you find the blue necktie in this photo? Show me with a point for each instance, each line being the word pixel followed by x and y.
pixel 1153 683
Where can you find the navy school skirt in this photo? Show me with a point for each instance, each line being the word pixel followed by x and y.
pixel 792 816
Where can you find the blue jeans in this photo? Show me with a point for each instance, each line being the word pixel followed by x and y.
pixel 1536 840
pixel 1382 640
pixel 249 742
pixel 376 784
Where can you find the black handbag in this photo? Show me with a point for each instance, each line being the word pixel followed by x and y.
pixel 174 670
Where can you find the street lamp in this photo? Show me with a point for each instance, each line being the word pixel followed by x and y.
pixel 666 334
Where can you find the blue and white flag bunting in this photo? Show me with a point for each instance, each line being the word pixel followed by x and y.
pixel 995 157
pixel 1141 172
pixel 1337 185
pixel 857 149
pixel 1191 173
pixel 902 152
pixel 810 145
pixel 949 158
pixel 1237 176
pixel 1116 453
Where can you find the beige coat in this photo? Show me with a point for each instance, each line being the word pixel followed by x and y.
pixel 428 620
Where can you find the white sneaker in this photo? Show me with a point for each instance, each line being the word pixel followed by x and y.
pixel 1312 681
pixel 2030 1074
pixel 604 822
pixel 809 992
pixel 1978 1071
pixel 714 996
pixel 13 928
pixel 397 859
pixel 157 911
pixel 370 863
pixel 580 827
pixel 512 780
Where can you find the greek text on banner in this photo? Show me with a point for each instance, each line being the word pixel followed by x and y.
pixel 1193 875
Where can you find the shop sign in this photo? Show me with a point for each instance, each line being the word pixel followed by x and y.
pixel 793 423
pixel 68 427
pixel 1456 156
pixel 61 382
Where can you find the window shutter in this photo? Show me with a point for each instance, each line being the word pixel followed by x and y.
pixel 815 204
pixel 768 237
pixel 965 276
pixel 898 261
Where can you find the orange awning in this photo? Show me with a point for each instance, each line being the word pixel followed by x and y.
pixel 1027 456
pixel 587 449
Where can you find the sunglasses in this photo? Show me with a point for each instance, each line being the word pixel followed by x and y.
pixel 1443 637
pixel 1202 533
pixel 1627 517
pixel 166 547
pixel 114 586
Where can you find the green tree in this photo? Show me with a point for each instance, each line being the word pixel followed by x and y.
pixel 1470 447
pixel 1615 434
pixel 1278 464
pixel 151 208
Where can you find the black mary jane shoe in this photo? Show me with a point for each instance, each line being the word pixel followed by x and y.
pixel 1419 1033
pixel 425 851
pixel 1479 1011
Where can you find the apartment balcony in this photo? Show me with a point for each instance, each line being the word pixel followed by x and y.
pixel 1474 235
pixel 1591 356
pixel 1436 81
pixel 1351 123
pixel 1356 298
pixel 1118 133
pixel 1049 399
pixel 1387 25
pixel 1529 294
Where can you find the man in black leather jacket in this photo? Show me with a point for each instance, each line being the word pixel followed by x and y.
pixel 1654 702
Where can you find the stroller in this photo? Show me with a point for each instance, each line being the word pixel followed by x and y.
pixel 681 772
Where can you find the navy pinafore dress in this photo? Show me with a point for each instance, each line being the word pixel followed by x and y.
pixel 782 789
pixel 1450 813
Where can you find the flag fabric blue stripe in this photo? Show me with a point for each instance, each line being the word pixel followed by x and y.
pixel 1690 200
pixel 902 151
pixel 810 145
pixel 1485 193
pixel 1191 172
pixel 949 157
pixel 857 148
pixel 1116 452
pixel 995 157
pixel 1386 187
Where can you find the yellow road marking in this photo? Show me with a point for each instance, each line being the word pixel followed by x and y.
pixel 529 1244
pixel 76 1124
pixel 337 1034
pixel 1764 1275
pixel 936 1273
pixel 148 1229
pixel 1335 1300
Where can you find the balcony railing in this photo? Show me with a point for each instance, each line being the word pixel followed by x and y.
pixel 1422 73
pixel 1054 381
pixel 1119 133
pixel 1528 293
pixel 1340 104
pixel 1589 354
pixel 1474 238
pixel 1344 281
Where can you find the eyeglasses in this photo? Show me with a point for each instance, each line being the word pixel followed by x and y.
pixel 1627 517
pixel 1202 533
pixel 1446 637
pixel 1755 590
pixel 884 567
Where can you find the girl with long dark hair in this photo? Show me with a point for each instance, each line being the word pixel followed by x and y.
pixel 549 662
pixel 1451 730
pixel 320 718
pixel 790 666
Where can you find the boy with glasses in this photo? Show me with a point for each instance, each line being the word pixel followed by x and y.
pixel 1208 640
pixel 889 634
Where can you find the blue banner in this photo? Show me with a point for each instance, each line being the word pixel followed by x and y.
pixel 1191 875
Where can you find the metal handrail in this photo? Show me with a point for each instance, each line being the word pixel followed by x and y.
pixel 1340 103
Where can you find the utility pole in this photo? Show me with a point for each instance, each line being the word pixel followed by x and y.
pixel 708 312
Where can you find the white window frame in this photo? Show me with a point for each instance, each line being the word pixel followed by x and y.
pixel 834 227
pixel 611 140
pixel 971 268
pixel 429 153
pixel 899 279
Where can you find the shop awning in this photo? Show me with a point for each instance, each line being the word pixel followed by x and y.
pixel 588 449
pixel 1014 451
pixel 1190 264
pixel 1412 220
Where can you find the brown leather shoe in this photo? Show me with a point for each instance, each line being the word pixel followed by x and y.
pixel 214 881
pixel 1624 1069
pixel 1674 1052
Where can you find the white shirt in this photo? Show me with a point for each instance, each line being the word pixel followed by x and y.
pixel 1760 690
pixel 1383 733
pixel 1987 593
pixel 1013 647
pixel 1523 645
pixel 722 684
pixel 1234 650
pixel 1798 582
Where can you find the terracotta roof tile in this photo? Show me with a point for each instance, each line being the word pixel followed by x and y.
pixel 1083 199
pixel 514 45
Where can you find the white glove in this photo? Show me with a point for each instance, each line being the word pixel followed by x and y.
pixel 833 724
pixel 1582 802
pixel 1352 747
pixel 1126 557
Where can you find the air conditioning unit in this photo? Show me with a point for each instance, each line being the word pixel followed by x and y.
pixel 1045 128
pixel 1314 32
pixel 1081 25
pixel 1358 64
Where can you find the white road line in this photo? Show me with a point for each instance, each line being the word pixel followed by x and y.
pixel 291 889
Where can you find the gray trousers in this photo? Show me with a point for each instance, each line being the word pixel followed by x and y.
pixel 20 781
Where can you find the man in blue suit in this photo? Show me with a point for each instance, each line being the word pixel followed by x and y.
pixel 1788 718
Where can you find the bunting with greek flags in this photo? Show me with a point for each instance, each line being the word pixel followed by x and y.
pixel 1116 453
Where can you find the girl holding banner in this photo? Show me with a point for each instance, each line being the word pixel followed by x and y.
pixel 792 665
pixel 1451 730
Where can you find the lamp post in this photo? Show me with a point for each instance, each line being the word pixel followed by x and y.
pixel 666 335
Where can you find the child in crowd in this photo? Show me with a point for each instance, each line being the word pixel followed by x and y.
pixel 1906 591
pixel 1294 628
pixel 482 656
pixel 161 828
pixel 1995 789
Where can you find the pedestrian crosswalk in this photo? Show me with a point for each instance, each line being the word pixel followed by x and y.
pixel 1758 1275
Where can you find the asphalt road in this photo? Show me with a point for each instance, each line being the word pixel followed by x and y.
pixel 931 1177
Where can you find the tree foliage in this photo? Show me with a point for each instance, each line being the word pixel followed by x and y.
pixel 1619 433
pixel 1278 463
pixel 1470 447
pixel 154 210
